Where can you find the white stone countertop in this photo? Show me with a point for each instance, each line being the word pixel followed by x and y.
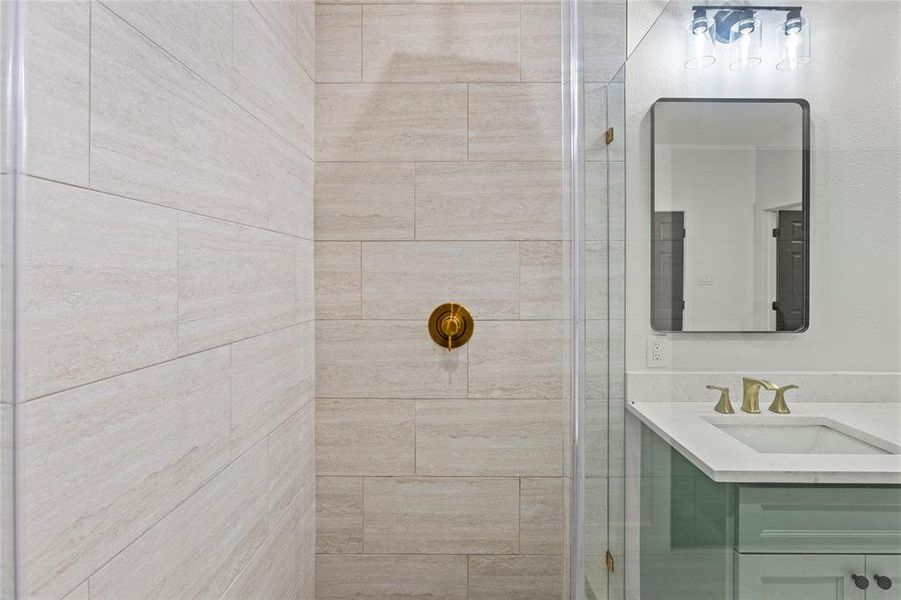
pixel 690 428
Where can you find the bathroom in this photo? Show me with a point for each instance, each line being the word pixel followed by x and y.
pixel 413 299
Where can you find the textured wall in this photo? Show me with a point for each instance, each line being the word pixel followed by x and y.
pixel 438 178
pixel 166 323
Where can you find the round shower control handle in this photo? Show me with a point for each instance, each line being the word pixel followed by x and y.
pixel 861 581
pixel 883 582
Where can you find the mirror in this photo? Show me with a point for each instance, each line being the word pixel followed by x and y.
pixel 730 215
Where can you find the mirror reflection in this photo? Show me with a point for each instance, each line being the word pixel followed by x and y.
pixel 730 215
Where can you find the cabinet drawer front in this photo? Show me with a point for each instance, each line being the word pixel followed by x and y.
pixel 797 577
pixel 819 519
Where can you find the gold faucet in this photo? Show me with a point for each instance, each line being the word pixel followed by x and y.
pixel 723 406
pixel 751 393
pixel 779 406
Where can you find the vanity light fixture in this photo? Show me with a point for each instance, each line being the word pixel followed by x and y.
pixel 741 30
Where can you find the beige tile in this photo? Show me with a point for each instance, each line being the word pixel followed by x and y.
pixel 364 201
pixel 596 515
pixel 234 282
pixel 292 465
pixel 390 122
pixel 515 577
pixel 406 280
pixel 544 280
pixel 390 577
pixel 515 121
pixel 290 198
pixel 57 90
pixel 541 40
pixel 269 82
pixel 596 283
pixel 339 43
pixel 272 571
pixel 489 201
pixel 517 359
pixel 339 514
pixel 364 437
pixel 441 42
pixel 541 516
pixel 605 39
pixel 306 544
pixel 596 124
pixel 440 515
pixel 79 593
pixel 597 341
pixel 597 218
pixel 94 305
pixel 162 431
pixel 419 2
pixel 493 437
pixel 616 108
pixel 385 359
pixel 338 280
pixel 198 549
pixel 305 286
pixel 271 379
pixel 160 133
pixel 283 18
pixel 306 34
pixel 196 33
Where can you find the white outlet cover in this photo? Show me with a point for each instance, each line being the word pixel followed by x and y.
pixel 659 356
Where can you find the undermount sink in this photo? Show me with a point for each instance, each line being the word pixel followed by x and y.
pixel 796 438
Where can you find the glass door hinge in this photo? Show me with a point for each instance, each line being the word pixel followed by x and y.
pixel 609 136
pixel 611 565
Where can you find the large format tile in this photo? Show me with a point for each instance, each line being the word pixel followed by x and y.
pixel 515 577
pixel 541 40
pixel 268 80
pixel 198 34
pixel 292 465
pixel 391 122
pixel 441 42
pixel 517 359
pixel 441 515
pixel 339 43
pixel 101 463
pixel 339 514
pixel 605 39
pixel 290 197
pixel 162 134
pixel 541 516
pixel 385 359
pixel 493 437
pixel 364 437
pixel 306 40
pixel 515 121
pixel 304 282
pixel 57 90
pixel 390 577
pixel 234 282
pixel 489 201
pixel 99 286
pixel 364 201
pixel 271 573
pixel 406 280
pixel 198 549
pixel 338 280
pixel 544 271
pixel 283 18
pixel 306 542
pixel 271 378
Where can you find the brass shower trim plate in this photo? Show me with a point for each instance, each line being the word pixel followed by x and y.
pixel 451 325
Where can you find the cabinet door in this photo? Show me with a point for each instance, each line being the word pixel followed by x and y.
pixel 798 577
pixel 885 565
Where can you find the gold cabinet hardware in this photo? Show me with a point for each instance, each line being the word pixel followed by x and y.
pixel 779 406
pixel 750 399
pixel 724 406
pixel 608 136
pixel 451 325
pixel 611 565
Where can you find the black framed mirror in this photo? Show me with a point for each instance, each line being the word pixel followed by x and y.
pixel 730 215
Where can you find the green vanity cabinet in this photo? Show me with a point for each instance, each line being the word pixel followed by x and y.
pixel 702 540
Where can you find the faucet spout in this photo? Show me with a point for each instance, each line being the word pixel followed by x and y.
pixel 750 401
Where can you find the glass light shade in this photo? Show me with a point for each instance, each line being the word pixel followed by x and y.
pixel 795 45
pixel 699 51
pixel 746 44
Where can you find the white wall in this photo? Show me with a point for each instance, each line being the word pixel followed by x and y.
pixel 852 84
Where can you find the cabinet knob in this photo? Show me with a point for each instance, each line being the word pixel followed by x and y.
pixel 861 581
pixel 883 582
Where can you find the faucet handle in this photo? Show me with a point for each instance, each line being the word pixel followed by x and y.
pixel 779 406
pixel 724 406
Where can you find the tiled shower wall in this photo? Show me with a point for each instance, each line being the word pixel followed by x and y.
pixel 438 179
pixel 166 315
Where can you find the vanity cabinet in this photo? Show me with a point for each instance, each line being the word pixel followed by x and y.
pixel 798 576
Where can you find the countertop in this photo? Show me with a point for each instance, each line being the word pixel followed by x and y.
pixel 689 427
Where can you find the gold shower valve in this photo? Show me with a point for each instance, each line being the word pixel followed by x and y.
pixel 451 325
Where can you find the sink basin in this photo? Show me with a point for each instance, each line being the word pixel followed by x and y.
pixel 792 438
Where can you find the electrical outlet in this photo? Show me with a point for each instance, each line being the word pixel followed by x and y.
pixel 658 352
